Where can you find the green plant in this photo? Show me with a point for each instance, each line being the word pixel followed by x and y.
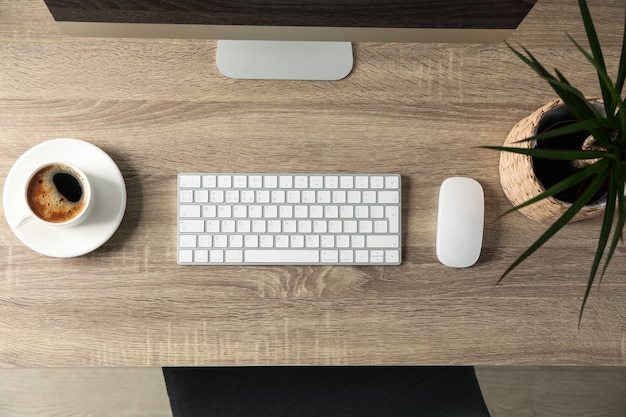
pixel 606 158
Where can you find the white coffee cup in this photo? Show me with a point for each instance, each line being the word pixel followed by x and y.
pixel 57 194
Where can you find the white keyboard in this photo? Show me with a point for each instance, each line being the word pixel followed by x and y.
pixel 289 219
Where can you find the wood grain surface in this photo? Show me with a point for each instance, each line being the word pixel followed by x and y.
pixel 159 107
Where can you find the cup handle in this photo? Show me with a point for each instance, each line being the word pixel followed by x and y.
pixel 23 220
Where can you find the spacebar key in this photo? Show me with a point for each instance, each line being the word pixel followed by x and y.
pixel 285 256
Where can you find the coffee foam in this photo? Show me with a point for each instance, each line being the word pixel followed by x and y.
pixel 45 199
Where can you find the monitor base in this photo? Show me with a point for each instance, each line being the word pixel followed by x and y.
pixel 284 60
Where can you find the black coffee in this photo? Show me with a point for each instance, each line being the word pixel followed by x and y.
pixel 68 186
pixel 55 193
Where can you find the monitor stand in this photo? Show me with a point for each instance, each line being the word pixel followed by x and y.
pixel 284 60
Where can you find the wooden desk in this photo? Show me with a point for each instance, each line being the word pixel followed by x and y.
pixel 160 106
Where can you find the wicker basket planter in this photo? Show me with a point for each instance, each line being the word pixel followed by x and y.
pixel 518 175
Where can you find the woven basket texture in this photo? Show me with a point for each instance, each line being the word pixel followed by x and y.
pixel 518 178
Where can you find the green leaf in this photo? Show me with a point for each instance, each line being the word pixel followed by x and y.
pixel 601 126
pixel 563 185
pixel 556 154
pixel 609 93
pixel 605 233
pixel 592 36
pixel 617 185
pixel 621 73
pixel 585 197
pixel 572 97
pixel 621 137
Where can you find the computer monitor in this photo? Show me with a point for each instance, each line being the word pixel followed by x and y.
pixel 292 39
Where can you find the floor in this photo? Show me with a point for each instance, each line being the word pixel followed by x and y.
pixel 138 392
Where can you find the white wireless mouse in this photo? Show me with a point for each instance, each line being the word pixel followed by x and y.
pixel 460 222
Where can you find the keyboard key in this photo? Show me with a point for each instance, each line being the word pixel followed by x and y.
pixel 279 256
pixel 366 226
pixel 281 241
pixel 185 256
pixel 312 241
pixel 185 196
pixel 235 241
pixel 224 181
pixel 377 212
pixel 305 226
pixel 285 212
pixel 339 197
pixel 278 196
pixel 392 213
pixel 388 197
pixel 290 226
pixel 228 226
pixel 316 181
pixel 216 256
pixel 323 197
pixel 270 181
pixel 362 256
pixel 331 181
pixel 368 197
pixel 201 255
pixel 240 181
pixel 189 211
pixel 346 256
pixel 209 181
pixel 377 257
pixel 234 256
pixel 240 211
pixel 361 182
pixel 205 241
pixel 220 241
pixel 255 211
pixel 232 196
pixel 213 226
pixel 244 226
pixel 392 181
pixel 266 241
pixel 392 256
pixel 346 182
pixel 285 181
pixel 377 182
pixel 301 181
pixel 378 241
pixel 252 241
pixel 350 226
pixel 255 181
pixel 380 227
pixel 201 196
pixel 259 226
pixel 293 196
pixel 191 226
pixel 297 241
pixel 187 241
pixel 216 196
pixel 330 256
pixel 354 197
pixel 357 241
pixel 328 241
pixel 189 181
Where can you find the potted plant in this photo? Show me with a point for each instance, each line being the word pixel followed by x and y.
pixel 588 138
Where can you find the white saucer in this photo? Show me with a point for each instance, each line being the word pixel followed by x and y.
pixel 109 193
